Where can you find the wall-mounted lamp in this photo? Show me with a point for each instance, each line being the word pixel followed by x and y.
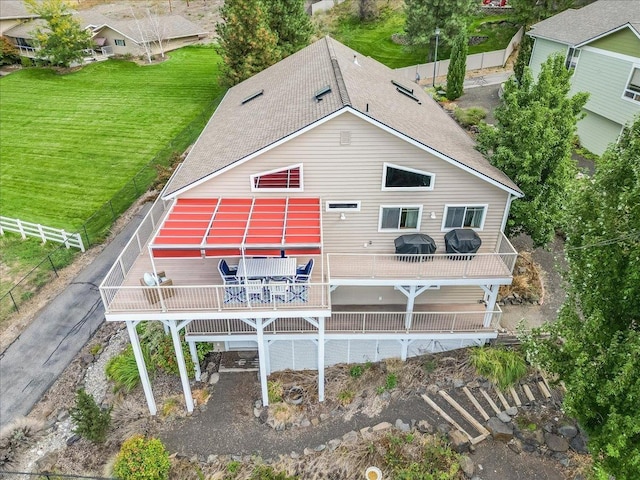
pixel 433 215
pixel 343 216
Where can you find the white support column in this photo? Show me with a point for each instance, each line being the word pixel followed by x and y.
pixel 142 368
pixel 405 348
pixel 184 377
pixel 491 304
pixel 321 359
pixel 194 358
pixel 262 353
pixel 411 298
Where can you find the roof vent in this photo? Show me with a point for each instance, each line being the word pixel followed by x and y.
pixel 408 94
pixel 251 97
pixel 322 92
pixel 402 87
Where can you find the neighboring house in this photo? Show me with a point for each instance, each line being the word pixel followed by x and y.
pixel 601 44
pixel 119 37
pixel 324 156
pixel 12 13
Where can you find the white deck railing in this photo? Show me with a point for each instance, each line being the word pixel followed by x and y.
pixel 359 322
pixel 28 229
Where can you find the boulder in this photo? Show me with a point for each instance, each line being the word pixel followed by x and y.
pixel 381 426
pixel 204 377
pixel 556 443
pixel 459 441
pixel 504 417
pixel 515 445
pixel 579 444
pixel 511 411
pixel 467 466
pixel 499 430
pixel 424 427
pixel 214 378
pixel 350 437
pixel 568 431
pixel 403 427
pixel 333 444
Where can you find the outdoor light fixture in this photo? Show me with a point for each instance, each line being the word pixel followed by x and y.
pixel 343 216
pixel 433 215
pixel 435 60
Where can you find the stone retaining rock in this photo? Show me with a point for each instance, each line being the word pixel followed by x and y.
pixel 499 430
pixel 556 443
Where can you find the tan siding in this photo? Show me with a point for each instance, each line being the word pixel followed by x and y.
pixel 354 172
pixel 129 47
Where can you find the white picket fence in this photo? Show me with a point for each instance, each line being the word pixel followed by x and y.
pixel 45 233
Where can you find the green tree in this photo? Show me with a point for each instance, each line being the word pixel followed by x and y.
pixel 424 16
pixel 246 43
pixel 367 10
pixel 524 55
pixel 457 66
pixel 529 12
pixel 595 345
pixel 289 21
pixel 8 52
pixel 63 40
pixel 532 143
pixel 91 421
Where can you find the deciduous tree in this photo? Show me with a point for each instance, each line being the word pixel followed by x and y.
pixel 289 21
pixel 524 55
pixel 595 345
pixel 529 12
pixel 424 16
pixel 246 43
pixel 63 40
pixel 532 143
pixel 457 66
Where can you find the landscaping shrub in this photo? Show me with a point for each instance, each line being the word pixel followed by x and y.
pixel 468 117
pixel 275 391
pixel 92 422
pixel 503 367
pixel 142 459
pixel 412 458
pixel 123 370
pixel 9 54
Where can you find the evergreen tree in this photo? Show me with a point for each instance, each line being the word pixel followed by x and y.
pixel 289 21
pixel 424 16
pixel 246 44
pixel 529 12
pixel 457 66
pixel 524 55
pixel 594 346
pixel 91 421
pixel 63 40
pixel 532 143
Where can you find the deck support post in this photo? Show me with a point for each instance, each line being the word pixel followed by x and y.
pixel 411 293
pixel 491 297
pixel 404 349
pixel 182 367
pixel 194 358
pixel 262 354
pixel 321 359
pixel 142 368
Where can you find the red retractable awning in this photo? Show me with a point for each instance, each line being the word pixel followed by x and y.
pixel 230 226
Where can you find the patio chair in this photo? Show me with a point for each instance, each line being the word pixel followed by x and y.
pixel 226 272
pixel 305 269
pixel 152 280
pixel 299 289
pixel 278 290
pixel 254 289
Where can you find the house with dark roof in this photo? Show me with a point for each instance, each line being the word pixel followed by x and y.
pixel 329 212
pixel 160 33
pixel 601 45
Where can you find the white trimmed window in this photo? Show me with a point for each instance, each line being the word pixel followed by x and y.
pixel 281 180
pixel 632 91
pixel 394 218
pixel 573 55
pixel 346 206
pixel 119 42
pixel 461 216
pixel 395 177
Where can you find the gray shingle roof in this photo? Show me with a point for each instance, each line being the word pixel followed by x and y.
pixel 171 26
pixel 576 26
pixel 288 105
pixel 14 9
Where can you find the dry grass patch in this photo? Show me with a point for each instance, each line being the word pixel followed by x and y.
pixel 527 280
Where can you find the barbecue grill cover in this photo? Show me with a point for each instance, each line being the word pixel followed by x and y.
pixel 462 240
pixel 416 243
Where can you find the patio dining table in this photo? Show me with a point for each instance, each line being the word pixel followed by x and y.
pixel 269 267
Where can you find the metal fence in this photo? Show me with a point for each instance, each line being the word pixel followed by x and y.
pixel 98 225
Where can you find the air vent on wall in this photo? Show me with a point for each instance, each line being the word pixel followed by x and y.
pixel 345 137
pixel 251 97
pixel 322 92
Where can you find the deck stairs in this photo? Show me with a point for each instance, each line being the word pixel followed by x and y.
pixel 468 408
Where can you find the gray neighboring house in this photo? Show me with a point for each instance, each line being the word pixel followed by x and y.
pixel 111 36
pixel 12 13
pixel 601 44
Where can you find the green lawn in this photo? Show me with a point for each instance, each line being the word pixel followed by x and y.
pixel 69 142
pixel 374 38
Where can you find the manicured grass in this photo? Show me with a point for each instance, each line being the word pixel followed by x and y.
pixel 374 38
pixel 69 142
